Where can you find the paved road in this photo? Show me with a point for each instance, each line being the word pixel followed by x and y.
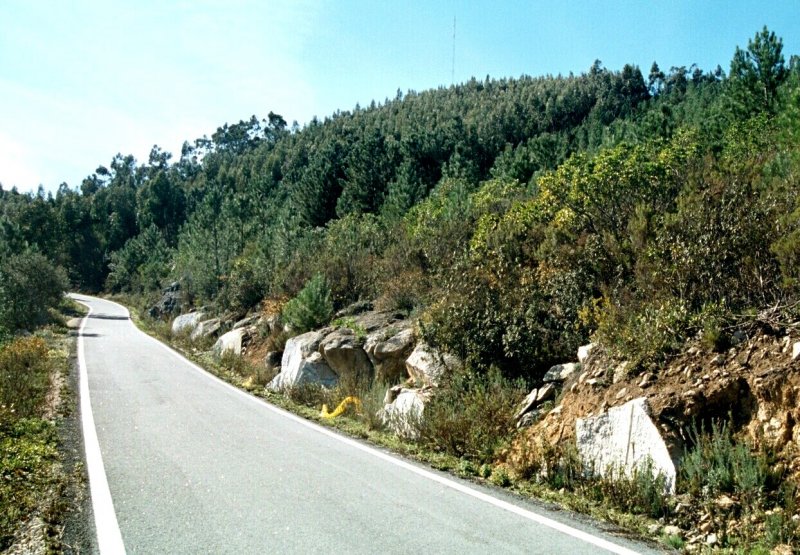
pixel 195 466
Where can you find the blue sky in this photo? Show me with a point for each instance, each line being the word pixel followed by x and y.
pixel 83 80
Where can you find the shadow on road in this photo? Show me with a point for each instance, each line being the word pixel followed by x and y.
pixel 108 317
pixel 78 334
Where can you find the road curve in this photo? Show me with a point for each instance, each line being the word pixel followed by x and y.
pixel 195 466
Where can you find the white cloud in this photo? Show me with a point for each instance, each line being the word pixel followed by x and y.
pixel 16 167
pixel 170 73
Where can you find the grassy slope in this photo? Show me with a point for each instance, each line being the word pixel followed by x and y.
pixel 41 476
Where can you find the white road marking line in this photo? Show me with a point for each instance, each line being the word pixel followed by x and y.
pixel 109 537
pixel 447 482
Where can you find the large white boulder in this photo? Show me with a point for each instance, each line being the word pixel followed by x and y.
pixel 562 372
pixel 584 351
pixel 186 322
pixel 428 366
pixel 303 364
pixel 206 328
pixel 535 398
pixel 343 352
pixel 388 350
pixel 232 342
pixel 403 414
pixel 624 440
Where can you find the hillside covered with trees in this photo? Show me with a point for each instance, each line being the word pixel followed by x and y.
pixel 514 218
pixel 507 222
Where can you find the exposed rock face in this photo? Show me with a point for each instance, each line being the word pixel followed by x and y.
pixel 562 372
pixel 169 303
pixel 402 415
pixel 388 350
pixel 303 364
pixel 624 439
pixel 206 328
pixel 247 321
pixel 427 366
pixel 344 354
pixel 371 321
pixel 358 307
pixel 186 322
pixel 535 398
pixel 233 341
pixel 273 324
pixel 584 351
pixel 620 372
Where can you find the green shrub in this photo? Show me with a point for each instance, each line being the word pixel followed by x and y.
pixel 641 493
pixel 372 397
pixel 27 452
pixel 30 286
pixel 311 308
pixel 142 264
pixel 471 415
pixel 243 287
pixel 350 323
pixel 500 477
pixel 24 377
pixel 347 257
pixel 310 395
pixel 514 319
pixel 718 464
pixel 643 332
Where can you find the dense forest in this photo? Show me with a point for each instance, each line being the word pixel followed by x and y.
pixel 513 218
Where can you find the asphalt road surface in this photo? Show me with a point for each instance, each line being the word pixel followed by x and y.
pixel 195 466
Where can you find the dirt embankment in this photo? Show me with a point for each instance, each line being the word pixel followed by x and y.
pixel 754 385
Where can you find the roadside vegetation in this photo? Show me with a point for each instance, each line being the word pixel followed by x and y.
pixel 512 219
pixel 38 487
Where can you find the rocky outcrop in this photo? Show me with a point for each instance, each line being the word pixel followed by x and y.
pixel 624 440
pixel 206 328
pixel 403 412
pixel 247 321
pixel 536 397
pixel 186 322
pixel 169 303
pixel 427 366
pixel 562 372
pixel 358 307
pixel 584 351
pixel 344 354
pixel 272 325
pixel 388 349
pixel 233 342
pixel 372 321
pixel 529 410
pixel 302 363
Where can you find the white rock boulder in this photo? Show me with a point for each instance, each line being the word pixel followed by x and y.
pixel 535 398
pixel 584 351
pixel 232 342
pixel 388 350
pixel 624 440
pixel 247 321
pixel 561 372
pixel 303 364
pixel 343 352
pixel 428 366
pixel 206 328
pixel 186 322
pixel 403 414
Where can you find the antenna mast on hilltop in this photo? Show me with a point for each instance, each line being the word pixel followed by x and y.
pixel 453 67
